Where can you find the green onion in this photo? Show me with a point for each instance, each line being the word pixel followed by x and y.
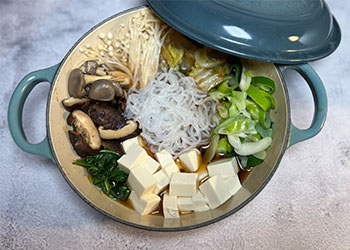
pixel 218 95
pixel 239 99
pixel 264 132
pixel 264 83
pixel 263 99
pixel 224 147
pixel 211 150
pixel 223 112
pixel 265 119
pixel 246 79
pixel 250 148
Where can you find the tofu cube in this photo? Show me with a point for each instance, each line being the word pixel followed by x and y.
pixel 128 143
pixel 215 191
pixel 164 158
pixel 199 199
pixel 170 169
pixel 151 165
pixel 185 203
pixel 201 208
pixel 200 202
pixel 225 168
pixel 170 209
pixel 146 204
pixel 141 181
pixel 134 156
pixel 233 184
pixel 162 181
pixel 191 160
pixel 202 172
pixel 183 184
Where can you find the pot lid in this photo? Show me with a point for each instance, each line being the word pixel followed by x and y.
pixel 289 31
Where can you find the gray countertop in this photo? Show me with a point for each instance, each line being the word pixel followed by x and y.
pixel 306 205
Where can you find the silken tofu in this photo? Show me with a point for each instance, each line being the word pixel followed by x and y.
pixel 191 160
pixel 185 203
pixel 145 204
pixel 151 165
pixel 164 158
pixel 170 169
pixel 141 181
pixel 170 209
pixel 134 156
pixel 162 181
pixel 199 202
pixel 215 191
pixel 128 143
pixel 233 184
pixel 225 168
pixel 183 184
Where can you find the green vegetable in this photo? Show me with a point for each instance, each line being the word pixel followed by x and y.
pixel 218 95
pixel 224 125
pixel 253 109
pixel 222 110
pixel 227 85
pixel 253 161
pixel 224 147
pixel 246 79
pixel 239 99
pixel 264 132
pixel 236 69
pixel 173 55
pixel 106 174
pixel 264 83
pixel 211 150
pixel 246 124
pixel 265 118
pixel 233 110
pixel 263 99
pixel 239 126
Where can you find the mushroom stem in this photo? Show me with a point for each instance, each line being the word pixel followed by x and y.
pixel 110 134
pixel 73 103
pixel 90 78
pixel 120 77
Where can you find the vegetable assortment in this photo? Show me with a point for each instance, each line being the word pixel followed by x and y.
pixel 244 100
pixel 244 112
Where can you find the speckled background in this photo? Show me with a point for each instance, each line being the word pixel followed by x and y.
pixel 306 205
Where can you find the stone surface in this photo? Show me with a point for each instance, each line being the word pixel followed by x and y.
pixel 305 205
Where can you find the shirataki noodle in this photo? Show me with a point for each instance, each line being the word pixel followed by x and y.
pixel 173 113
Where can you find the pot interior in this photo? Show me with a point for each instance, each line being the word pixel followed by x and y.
pixel 77 176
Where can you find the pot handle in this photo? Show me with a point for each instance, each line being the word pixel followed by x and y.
pixel 15 110
pixel 320 100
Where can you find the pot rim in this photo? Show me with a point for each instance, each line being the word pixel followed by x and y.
pixel 164 229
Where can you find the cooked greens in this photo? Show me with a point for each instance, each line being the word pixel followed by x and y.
pixel 105 174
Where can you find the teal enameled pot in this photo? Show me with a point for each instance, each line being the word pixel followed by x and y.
pixel 56 145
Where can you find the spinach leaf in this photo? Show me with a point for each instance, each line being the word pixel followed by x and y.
pixel 106 175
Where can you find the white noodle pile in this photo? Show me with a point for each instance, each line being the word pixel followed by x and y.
pixel 173 113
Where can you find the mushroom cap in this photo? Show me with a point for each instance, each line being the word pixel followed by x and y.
pixel 83 125
pixel 102 90
pixel 90 67
pixel 118 89
pixel 76 83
